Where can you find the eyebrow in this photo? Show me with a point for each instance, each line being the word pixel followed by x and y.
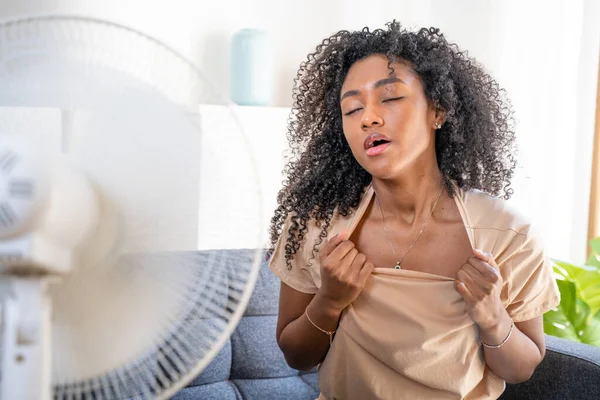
pixel 378 84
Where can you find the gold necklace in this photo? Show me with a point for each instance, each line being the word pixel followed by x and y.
pixel 399 263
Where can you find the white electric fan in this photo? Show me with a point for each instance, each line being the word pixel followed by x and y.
pixel 119 214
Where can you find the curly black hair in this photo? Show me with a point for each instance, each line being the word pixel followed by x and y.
pixel 475 147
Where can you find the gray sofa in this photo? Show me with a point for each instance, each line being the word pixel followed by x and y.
pixel 251 366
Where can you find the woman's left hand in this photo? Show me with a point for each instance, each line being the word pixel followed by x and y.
pixel 479 283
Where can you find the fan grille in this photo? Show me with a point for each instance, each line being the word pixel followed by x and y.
pixel 212 305
pixel 190 300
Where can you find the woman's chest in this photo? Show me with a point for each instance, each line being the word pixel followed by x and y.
pixel 440 249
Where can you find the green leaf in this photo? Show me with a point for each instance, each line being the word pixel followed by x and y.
pixel 577 317
pixel 583 277
pixel 588 275
pixel 595 256
pixel 580 315
pixel 594 260
pixel 562 321
pixel 565 269
pixel 560 270
pixel 595 245
pixel 591 332
pixel 557 324
pixel 567 294
pixel 591 295
pixel 594 303
pixel 591 289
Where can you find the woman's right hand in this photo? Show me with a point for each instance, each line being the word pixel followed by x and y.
pixel 344 271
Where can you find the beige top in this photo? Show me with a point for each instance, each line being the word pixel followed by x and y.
pixel 407 335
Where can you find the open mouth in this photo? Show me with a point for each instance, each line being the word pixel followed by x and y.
pixel 375 140
pixel 377 143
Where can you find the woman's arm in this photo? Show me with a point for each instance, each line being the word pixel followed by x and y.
pixel 516 359
pixel 480 283
pixel 303 345
pixel 344 272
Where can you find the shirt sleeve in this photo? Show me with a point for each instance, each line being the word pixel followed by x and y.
pixel 297 274
pixel 532 288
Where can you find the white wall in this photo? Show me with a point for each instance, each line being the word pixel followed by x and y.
pixel 234 212
pixel 544 52
pixel 201 29
pixel 549 65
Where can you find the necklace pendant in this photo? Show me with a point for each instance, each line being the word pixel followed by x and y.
pixel 397 266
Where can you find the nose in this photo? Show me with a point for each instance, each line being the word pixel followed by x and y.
pixel 371 117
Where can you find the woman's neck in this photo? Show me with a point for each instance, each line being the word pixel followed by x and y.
pixel 410 198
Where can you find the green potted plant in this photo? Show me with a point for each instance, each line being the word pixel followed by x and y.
pixel 577 317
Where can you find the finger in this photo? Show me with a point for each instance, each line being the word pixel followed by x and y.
pixel 341 251
pixel 484 285
pixel 473 272
pixel 485 256
pixel 479 279
pixel 332 243
pixel 462 289
pixel 485 269
pixel 366 271
pixel 348 259
pixel 470 283
pixel 358 262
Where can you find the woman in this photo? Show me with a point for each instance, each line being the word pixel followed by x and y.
pixel 404 273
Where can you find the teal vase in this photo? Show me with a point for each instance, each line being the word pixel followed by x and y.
pixel 251 68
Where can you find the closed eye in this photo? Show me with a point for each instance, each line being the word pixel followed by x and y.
pixel 392 99
pixel 353 111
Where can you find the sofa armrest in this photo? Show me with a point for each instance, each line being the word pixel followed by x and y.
pixel 574 349
pixel 570 370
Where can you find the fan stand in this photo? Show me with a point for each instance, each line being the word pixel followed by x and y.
pixel 31 258
pixel 26 338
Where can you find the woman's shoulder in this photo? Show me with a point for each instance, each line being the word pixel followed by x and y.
pixel 313 229
pixel 484 211
pixel 301 270
pixel 509 235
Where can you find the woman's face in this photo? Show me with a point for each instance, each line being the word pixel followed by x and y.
pixel 387 119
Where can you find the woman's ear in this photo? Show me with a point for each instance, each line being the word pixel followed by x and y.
pixel 440 116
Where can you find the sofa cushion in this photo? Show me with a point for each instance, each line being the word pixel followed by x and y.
pixel 265 298
pixel 256 354
pixel 214 391
pixel 291 388
pixel 311 378
pixel 218 369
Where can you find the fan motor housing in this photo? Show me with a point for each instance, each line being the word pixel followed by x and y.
pixel 47 209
